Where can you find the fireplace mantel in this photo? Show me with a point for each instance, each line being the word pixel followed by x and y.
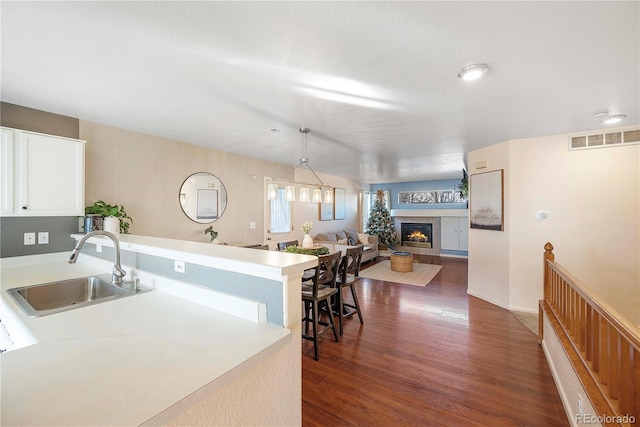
pixel 429 212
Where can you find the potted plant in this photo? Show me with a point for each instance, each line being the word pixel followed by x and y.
pixel 307 241
pixel 464 185
pixel 105 210
pixel 213 234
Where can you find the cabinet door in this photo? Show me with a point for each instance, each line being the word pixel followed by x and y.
pixel 454 233
pixel 449 233
pixel 51 176
pixel 464 233
pixel 6 163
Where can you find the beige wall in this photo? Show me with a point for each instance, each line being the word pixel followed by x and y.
pixel 144 173
pixel 593 200
pixel 311 211
pixel 489 250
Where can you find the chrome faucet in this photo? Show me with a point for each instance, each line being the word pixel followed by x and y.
pixel 118 272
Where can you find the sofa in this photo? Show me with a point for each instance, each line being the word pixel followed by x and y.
pixel 351 238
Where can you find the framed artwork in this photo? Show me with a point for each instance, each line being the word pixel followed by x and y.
pixel 339 203
pixel 326 211
pixel 486 200
pixel 207 204
pixel 430 196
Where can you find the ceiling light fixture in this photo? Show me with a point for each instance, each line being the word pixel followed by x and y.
pixel 304 160
pixel 608 119
pixel 306 195
pixel 473 71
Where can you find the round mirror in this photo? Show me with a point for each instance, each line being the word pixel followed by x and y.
pixel 203 197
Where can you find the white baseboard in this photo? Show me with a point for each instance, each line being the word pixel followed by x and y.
pixel 482 297
pixel 506 307
pixel 454 256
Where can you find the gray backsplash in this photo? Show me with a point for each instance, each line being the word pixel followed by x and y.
pixel 60 228
pixel 228 282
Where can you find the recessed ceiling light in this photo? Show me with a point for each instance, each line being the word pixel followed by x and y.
pixel 473 71
pixel 608 119
pixel 274 130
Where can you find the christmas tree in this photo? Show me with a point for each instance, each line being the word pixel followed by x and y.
pixel 380 223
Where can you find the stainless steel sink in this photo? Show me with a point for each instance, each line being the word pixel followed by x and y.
pixel 54 297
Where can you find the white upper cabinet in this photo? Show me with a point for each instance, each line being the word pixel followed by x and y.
pixel 47 177
pixel 6 163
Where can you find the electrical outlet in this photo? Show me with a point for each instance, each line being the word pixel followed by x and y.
pixel 252 225
pixel 179 266
pixel 43 238
pixel 29 238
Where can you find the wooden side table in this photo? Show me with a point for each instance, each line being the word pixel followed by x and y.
pixel 402 262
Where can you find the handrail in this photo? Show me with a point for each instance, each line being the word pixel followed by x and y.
pixel 603 349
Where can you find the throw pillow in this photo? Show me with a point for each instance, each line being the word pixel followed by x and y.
pixel 341 235
pixel 326 237
pixel 351 235
pixel 363 238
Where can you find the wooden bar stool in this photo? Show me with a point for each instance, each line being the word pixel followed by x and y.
pixel 317 295
pixel 283 245
pixel 349 275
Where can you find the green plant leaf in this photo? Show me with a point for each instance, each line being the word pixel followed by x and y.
pixel 317 251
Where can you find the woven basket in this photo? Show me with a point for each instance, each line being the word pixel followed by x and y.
pixel 402 263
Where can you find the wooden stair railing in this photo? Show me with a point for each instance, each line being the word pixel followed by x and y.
pixel 603 350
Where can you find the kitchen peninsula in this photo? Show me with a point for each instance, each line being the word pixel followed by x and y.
pixel 216 345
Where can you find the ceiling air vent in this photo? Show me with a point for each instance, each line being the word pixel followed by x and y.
pixel 600 140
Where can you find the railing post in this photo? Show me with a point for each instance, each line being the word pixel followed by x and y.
pixel 548 252
pixel 548 256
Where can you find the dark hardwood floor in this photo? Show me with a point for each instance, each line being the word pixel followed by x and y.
pixel 429 356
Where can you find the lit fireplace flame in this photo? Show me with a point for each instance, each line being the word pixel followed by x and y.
pixel 417 235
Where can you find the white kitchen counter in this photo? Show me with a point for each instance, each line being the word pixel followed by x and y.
pixel 120 362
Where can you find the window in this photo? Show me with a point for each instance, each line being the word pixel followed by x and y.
pixel 365 208
pixel 280 216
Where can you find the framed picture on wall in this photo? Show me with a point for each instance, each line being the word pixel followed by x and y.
pixel 486 200
pixel 326 211
pixel 340 203
pixel 207 204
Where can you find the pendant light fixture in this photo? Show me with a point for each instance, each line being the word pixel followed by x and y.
pixel 304 160
pixel 320 194
pixel 272 191
pixel 304 194
pixel 290 193
pixel 316 195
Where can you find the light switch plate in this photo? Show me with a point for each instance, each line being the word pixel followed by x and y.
pixel 43 237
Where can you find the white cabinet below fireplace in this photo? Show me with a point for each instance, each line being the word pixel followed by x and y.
pixel 454 233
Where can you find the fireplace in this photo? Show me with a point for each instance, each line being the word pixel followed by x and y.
pixel 416 235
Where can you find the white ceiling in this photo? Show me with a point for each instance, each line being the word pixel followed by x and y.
pixel 376 82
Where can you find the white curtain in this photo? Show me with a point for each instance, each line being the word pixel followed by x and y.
pixel 364 208
pixel 280 214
